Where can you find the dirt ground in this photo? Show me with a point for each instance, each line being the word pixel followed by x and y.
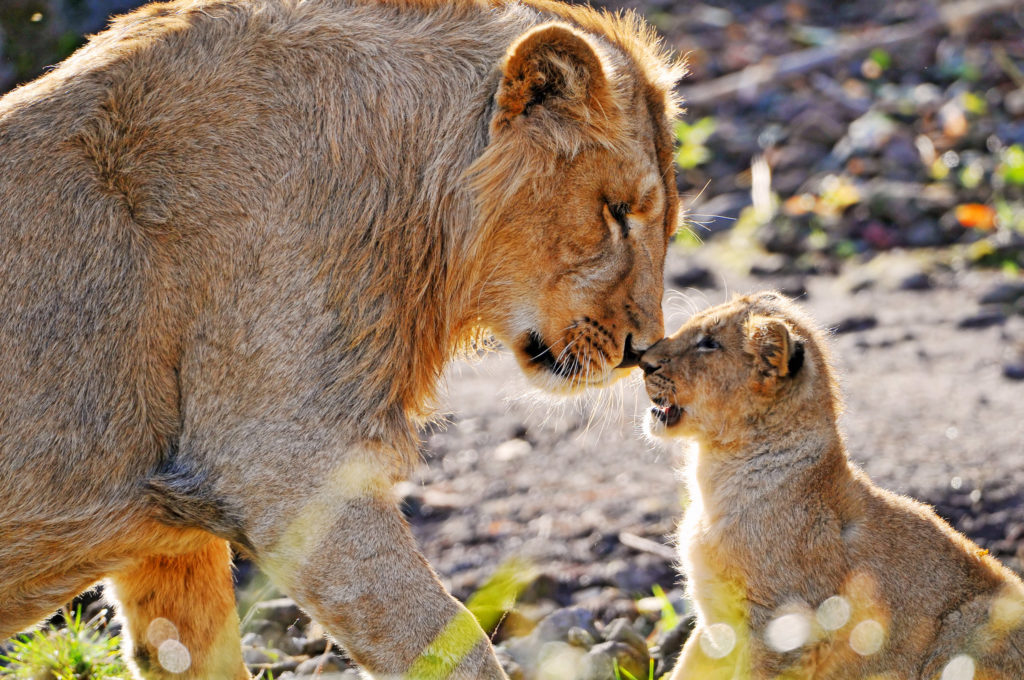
pixel 933 409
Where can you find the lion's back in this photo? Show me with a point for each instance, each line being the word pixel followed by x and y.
pixel 168 140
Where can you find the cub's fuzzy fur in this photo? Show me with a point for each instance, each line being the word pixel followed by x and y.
pixel 799 567
pixel 239 240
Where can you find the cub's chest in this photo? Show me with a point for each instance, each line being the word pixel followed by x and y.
pixel 716 579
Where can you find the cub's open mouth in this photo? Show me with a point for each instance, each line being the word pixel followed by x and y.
pixel 540 354
pixel 670 414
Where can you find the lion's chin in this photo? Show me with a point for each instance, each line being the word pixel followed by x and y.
pixel 554 379
pixel 566 384
pixel 559 376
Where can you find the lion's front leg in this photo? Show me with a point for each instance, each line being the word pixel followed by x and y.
pixel 179 615
pixel 347 557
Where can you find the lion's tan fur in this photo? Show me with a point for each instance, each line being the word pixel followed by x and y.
pixel 781 524
pixel 239 242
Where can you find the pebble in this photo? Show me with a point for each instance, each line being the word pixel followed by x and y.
pixel 621 630
pixel 282 610
pixel 600 662
pixel 855 324
pixel 1004 293
pixel 256 655
pixel 512 450
pixel 1014 371
pixel 556 626
pixel 694 277
pixel 325 663
pixel 917 281
pixel 986 318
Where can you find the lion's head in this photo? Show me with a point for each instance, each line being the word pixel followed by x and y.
pixel 577 195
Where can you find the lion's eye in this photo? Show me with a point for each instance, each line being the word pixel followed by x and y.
pixel 620 213
pixel 708 344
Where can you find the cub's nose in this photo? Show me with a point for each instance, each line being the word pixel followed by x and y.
pixel 648 368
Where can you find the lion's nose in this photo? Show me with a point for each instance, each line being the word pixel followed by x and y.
pixel 630 356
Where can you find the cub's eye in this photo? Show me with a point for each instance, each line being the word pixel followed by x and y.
pixel 708 344
pixel 620 213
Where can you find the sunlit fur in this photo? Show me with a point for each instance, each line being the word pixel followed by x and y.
pixel 239 242
pixel 780 521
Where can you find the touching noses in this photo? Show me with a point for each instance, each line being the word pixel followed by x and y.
pixel 650 362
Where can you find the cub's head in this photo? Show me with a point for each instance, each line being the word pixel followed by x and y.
pixel 577 199
pixel 734 369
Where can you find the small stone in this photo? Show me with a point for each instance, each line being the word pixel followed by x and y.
pixel 923 234
pixel 325 663
pixel 1004 294
pixel 556 625
pixel 255 655
pixel 983 319
pixel 578 637
pixel 315 646
pixel 270 631
pixel 292 645
pixel 282 610
pixel 253 640
pixel 855 324
pixel 694 277
pixel 917 281
pixel 606 602
pixel 512 449
pixel 1014 371
pixel 620 630
pixel 601 661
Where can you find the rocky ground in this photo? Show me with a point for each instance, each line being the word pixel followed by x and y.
pixel 868 160
pixel 930 354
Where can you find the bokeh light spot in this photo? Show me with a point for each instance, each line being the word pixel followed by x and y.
pixel 160 630
pixel 867 637
pixel 717 640
pixel 787 632
pixel 1007 611
pixel 960 667
pixel 174 656
pixel 833 613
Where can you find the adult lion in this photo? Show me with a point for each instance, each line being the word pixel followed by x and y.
pixel 240 239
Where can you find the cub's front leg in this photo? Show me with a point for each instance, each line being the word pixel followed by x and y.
pixel 346 555
pixel 696 664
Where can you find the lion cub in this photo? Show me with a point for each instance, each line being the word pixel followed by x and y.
pixel 799 567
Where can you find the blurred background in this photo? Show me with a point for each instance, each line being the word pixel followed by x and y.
pixel 866 157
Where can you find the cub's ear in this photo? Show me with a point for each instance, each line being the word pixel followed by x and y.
pixel 777 351
pixel 552 75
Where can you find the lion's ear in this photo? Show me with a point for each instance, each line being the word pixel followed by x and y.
pixel 552 75
pixel 777 351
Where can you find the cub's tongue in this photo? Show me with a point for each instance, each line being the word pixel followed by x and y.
pixel 669 415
